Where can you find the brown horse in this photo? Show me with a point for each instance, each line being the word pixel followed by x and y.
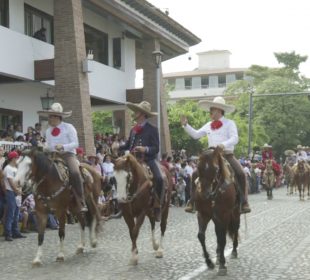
pixel 301 173
pixel 217 199
pixel 288 175
pixel 269 178
pixel 53 194
pixel 133 179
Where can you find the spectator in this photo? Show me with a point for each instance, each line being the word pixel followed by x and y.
pixel 29 135
pixel 40 34
pixel 12 189
pixel 180 188
pixel 115 145
pixel 18 134
pixel 2 158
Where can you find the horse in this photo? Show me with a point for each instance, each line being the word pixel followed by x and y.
pixel 269 178
pixel 301 173
pixel 216 197
pixel 288 175
pixel 135 184
pixel 53 193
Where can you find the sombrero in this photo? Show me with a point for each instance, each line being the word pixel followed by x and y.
pixel 266 146
pixel 299 147
pixel 57 110
pixel 144 107
pixel 218 102
pixel 289 153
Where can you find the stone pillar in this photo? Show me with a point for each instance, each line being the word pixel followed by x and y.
pixel 71 84
pixel 150 91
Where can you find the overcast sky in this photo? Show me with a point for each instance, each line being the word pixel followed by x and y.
pixel 252 30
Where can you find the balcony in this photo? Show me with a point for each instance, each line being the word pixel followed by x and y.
pixel 18 53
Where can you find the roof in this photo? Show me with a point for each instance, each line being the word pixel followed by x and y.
pixel 162 19
pixel 203 72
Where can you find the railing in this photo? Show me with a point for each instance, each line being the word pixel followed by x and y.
pixel 9 146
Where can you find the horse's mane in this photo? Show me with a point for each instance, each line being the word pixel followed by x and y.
pixel 135 165
pixel 224 168
pixel 43 164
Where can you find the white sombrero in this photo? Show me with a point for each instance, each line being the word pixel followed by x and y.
pixel 267 146
pixel 300 147
pixel 57 110
pixel 144 107
pixel 218 102
pixel 289 153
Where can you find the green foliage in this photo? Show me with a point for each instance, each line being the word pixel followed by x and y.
pixel 102 122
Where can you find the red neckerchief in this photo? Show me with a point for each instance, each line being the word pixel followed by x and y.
pixel 55 131
pixel 137 129
pixel 216 125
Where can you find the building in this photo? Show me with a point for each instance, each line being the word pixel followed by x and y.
pixel 210 79
pixel 92 48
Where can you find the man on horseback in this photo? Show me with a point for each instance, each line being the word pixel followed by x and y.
pixel 221 132
pixel 144 143
pixel 62 137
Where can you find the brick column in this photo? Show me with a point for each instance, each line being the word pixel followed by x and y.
pixel 71 84
pixel 150 91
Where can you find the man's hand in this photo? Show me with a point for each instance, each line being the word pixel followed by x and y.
pixel 222 147
pixel 59 147
pixel 183 120
pixel 140 149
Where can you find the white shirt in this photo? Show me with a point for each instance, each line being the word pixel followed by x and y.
pixel 9 172
pixel 108 168
pixel 188 170
pixel 226 135
pixel 301 155
pixel 67 137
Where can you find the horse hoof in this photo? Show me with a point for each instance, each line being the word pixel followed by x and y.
pixel 93 244
pixel 159 254
pixel 155 246
pixel 217 262
pixel 222 271
pixel 79 250
pixel 210 265
pixel 60 259
pixel 133 261
pixel 234 255
pixel 36 263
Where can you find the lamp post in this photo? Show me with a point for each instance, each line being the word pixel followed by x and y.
pixel 47 100
pixel 158 56
pixel 251 91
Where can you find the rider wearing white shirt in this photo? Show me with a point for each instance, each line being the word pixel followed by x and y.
pixel 62 136
pixel 221 132
pixel 301 154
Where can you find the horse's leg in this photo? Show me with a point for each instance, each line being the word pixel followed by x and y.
pixel 135 233
pixel 41 220
pixel 92 208
pixel 221 241
pixel 80 248
pixel 61 233
pixel 203 222
pixel 163 226
pixel 154 242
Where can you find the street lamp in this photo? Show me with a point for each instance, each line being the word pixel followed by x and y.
pixel 158 57
pixel 250 79
pixel 47 100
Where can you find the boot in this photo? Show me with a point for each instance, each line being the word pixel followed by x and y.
pixel 245 208
pixel 189 208
pixel 118 215
pixel 83 206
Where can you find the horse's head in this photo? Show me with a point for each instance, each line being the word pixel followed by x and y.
pixel 24 169
pixel 301 166
pixel 211 167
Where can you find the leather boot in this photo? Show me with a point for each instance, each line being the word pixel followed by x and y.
pixel 118 215
pixel 245 208
pixel 189 208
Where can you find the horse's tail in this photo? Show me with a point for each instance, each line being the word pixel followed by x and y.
pixel 234 224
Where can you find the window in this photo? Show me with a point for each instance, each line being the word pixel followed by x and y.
pixel 35 23
pixel 205 82
pixel 9 117
pixel 117 54
pixel 97 42
pixel 188 83
pixel 4 13
pixel 239 76
pixel 213 81
pixel 230 78
pixel 222 81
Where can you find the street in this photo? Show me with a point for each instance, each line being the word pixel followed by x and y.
pixel 275 245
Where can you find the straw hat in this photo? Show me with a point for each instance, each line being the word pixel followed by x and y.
pixel 218 102
pixel 56 110
pixel 299 147
pixel 143 107
pixel 266 146
pixel 289 153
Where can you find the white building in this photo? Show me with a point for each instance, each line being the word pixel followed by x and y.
pixel 115 32
pixel 210 79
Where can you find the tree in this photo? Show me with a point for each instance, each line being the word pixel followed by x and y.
pixel 102 122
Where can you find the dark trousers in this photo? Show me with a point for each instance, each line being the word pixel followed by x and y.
pixel 75 175
pixel 154 166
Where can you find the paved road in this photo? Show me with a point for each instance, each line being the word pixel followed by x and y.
pixel 276 245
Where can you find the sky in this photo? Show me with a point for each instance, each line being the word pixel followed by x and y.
pixel 252 30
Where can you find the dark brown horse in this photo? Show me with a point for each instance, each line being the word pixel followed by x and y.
pixel 301 176
pixel 135 185
pixel 54 194
pixel 217 200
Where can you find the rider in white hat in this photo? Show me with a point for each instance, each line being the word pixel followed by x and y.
pixel 62 136
pixel 301 153
pixel 221 132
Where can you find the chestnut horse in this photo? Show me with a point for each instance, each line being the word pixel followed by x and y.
pixel 301 176
pixel 288 175
pixel 133 177
pixel 269 178
pixel 52 194
pixel 217 199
